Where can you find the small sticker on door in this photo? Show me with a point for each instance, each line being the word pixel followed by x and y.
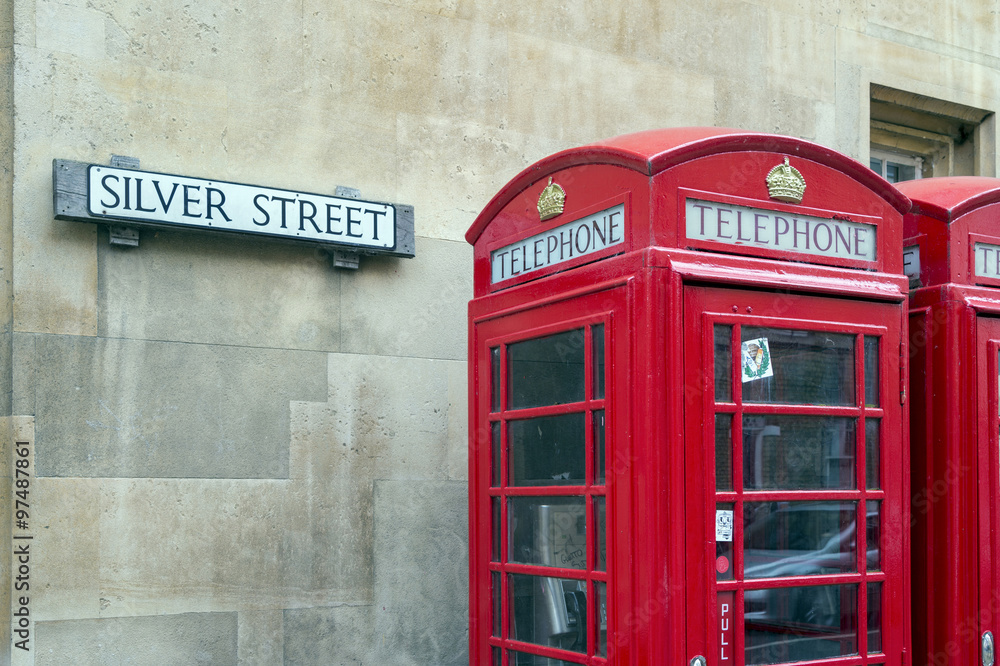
pixel 723 525
pixel 756 360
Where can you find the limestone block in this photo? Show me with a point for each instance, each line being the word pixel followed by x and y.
pixel 337 636
pixel 121 408
pixel 189 638
pixel 387 59
pixel 421 572
pixel 454 169
pixel 970 25
pixel 261 639
pixel 75 30
pixel 421 305
pixel 801 56
pixel 580 95
pixel 219 289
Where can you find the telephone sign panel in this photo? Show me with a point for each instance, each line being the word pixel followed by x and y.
pixel 686 425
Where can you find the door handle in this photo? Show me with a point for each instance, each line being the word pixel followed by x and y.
pixel 698 661
pixel 988 653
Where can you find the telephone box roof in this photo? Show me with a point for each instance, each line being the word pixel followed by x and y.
pixel 653 151
pixel 946 199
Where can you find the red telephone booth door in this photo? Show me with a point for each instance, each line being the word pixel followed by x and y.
pixel 788 471
pixel 988 428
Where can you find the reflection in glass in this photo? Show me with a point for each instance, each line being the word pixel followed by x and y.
pixel 547 450
pixel 546 371
pixel 724 535
pixel 601 590
pixel 874 617
pixel 600 517
pixel 495 582
pixel 800 623
pixel 872 467
pixel 809 367
pixel 802 538
pixel 549 611
pixel 494 379
pixel 873 519
pixel 497 656
pixel 871 371
pixel 548 531
pixel 495 443
pixel 495 509
pixel 599 447
pixel 723 452
pixel 723 363
pixel 524 659
pixel 598 342
pixel 791 452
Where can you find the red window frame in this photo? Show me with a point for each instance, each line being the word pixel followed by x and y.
pixel 707 307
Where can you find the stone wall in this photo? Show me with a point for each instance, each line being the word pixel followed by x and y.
pixel 245 455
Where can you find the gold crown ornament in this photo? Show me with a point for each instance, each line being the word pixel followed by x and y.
pixel 785 183
pixel 551 201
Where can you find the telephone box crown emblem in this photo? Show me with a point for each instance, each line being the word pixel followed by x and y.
pixel 551 201
pixel 785 183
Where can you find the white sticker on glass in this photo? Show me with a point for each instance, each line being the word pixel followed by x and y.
pixel 723 525
pixel 756 360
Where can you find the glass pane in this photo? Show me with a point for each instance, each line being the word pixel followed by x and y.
pixel 876 165
pixel 495 379
pixel 495 581
pixel 497 656
pixel 548 450
pixel 723 452
pixel 524 659
pixel 873 520
pixel 599 452
pixel 724 561
pixel 791 452
pixel 546 371
pixel 497 527
pixel 602 618
pixel 800 367
pixel 800 623
pixel 600 536
pixel 723 363
pixel 874 617
pixel 871 372
pixel 495 443
pixel 895 172
pixel 598 342
pixel 549 611
pixel 548 531
pixel 872 449
pixel 798 538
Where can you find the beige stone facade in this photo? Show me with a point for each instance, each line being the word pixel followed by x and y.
pixel 244 455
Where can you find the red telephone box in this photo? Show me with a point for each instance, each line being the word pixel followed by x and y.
pixel 952 238
pixel 686 429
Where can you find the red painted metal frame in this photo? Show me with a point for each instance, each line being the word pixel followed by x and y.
pixel 954 334
pixel 661 609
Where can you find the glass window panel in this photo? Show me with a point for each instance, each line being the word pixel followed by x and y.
pixel 874 617
pixel 800 623
pixel 724 562
pixel 548 531
pixel 601 590
pixel 599 453
pixel 549 611
pixel 497 527
pixel 600 517
pixel 547 371
pixel 873 532
pixel 793 452
pixel 495 580
pixel 723 363
pixel 598 342
pixel 797 367
pixel 723 452
pixel 548 450
pixel 495 379
pixel 495 444
pixel 876 165
pixel 801 538
pixel 497 656
pixel 524 659
pixel 871 372
pixel 872 454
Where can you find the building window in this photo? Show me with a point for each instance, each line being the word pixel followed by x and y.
pixel 913 136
